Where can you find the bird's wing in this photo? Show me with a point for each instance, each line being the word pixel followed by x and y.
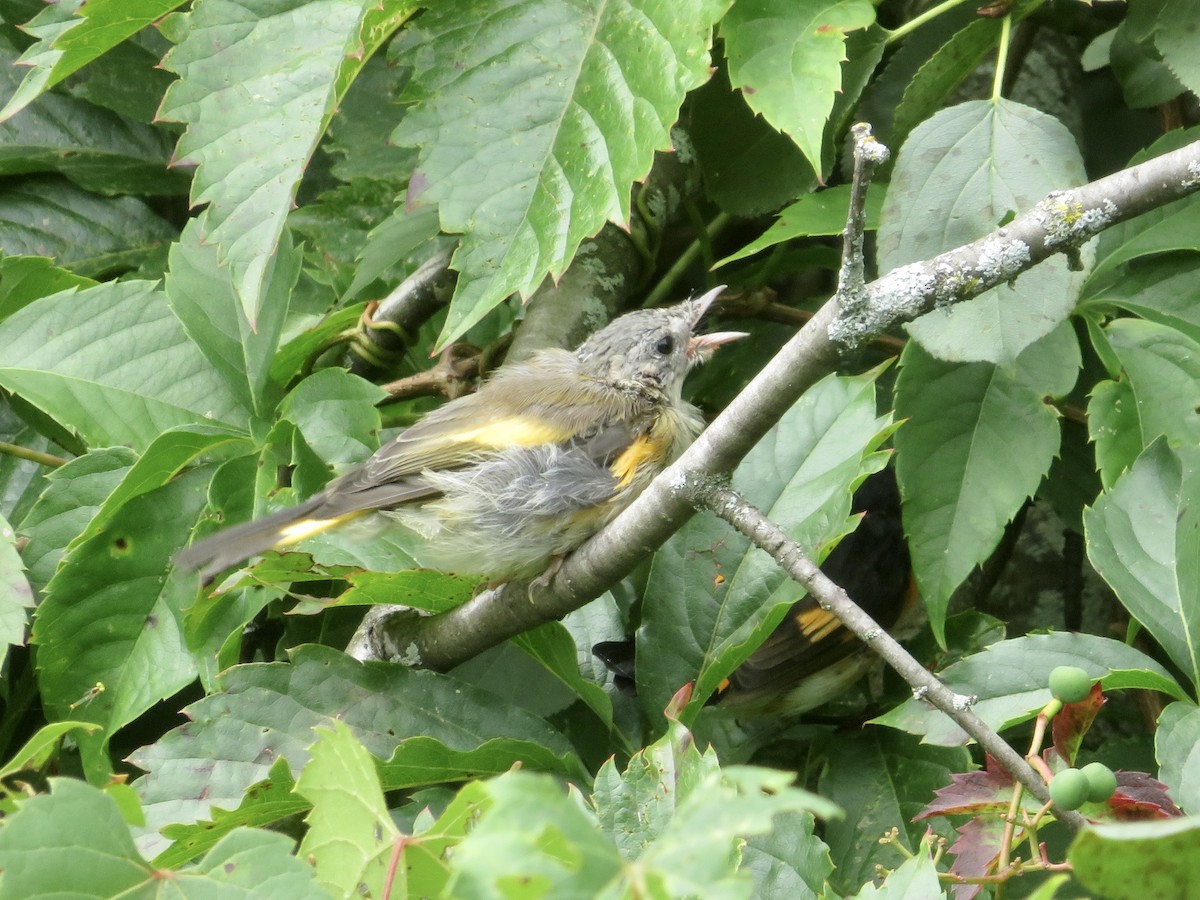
pixel 544 401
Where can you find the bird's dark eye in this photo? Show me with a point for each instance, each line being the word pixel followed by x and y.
pixel 665 345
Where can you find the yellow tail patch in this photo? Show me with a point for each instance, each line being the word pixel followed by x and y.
pixel 306 528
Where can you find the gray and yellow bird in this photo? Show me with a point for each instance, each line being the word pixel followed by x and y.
pixel 505 480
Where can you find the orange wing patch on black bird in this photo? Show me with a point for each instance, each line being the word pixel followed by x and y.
pixel 811 657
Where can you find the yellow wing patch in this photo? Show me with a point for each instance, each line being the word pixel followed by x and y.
pixel 816 623
pixel 511 431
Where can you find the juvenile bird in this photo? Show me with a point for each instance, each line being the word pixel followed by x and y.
pixel 505 480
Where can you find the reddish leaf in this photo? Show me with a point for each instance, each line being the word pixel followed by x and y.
pixel 1073 722
pixel 1139 797
pixel 976 851
pixel 970 793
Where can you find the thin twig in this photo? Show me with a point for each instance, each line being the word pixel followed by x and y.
pixel 768 536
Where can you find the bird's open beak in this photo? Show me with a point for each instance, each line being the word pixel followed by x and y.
pixel 701 346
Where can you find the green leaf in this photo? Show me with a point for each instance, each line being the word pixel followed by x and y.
pixel 698 626
pixel 1135 860
pixel 111 619
pixel 94 147
pixel 40 749
pixel 958 176
pixel 822 213
pixel 786 55
pixel 632 807
pixel 90 235
pixel 941 75
pixel 882 781
pixel 74 495
pixel 916 877
pixel 1009 680
pixel 249 184
pixel 121 384
pixel 1177 749
pixel 789 860
pixel 420 761
pixel 583 95
pixel 749 168
pixel 1141 538
pixel 551 645
pixel 1158 395
pixel 264 804
pixel 391 242
pixel 359 129
pixel 1174 33
pixel 351 836
pixel 1160 289
pixel 72 44
pixel 16 596
pixel 960 481
pixel 42 843
pixel 534 835
pixel 201 296
pixel 24 279
pixel 336 412
pixel 269 710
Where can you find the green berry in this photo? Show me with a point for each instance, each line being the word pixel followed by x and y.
pixel 1069 789
pixel 1101 782
pixel 1070 684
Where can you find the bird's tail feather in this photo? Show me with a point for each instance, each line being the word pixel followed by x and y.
pixel 212 555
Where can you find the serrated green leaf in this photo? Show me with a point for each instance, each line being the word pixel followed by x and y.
pixel 358 132
pixel 536 835
pixel 337 415
pixel 551 646
pixel 1174 36
pixel 265 711
pixel 882 781
pixel 1010 681
pixel 635 807
pixel 94 147
pixel 1141 538
pixel 127 79
pixel 391 242
pixel 960 481
pixel 122 384
pixel 1159 289
pixel 90 235
pixel 1159 394
pixel 42 843
pixel 916 877
pixel 421 760
pixel 535 122
pixel 959 174
pixel 251 151
pixel 24 279
pixel 822 213
pixel 749 168
pixel 75 494
pixel 1134 860
pixel 699 626
pixel 350 834
pixel 1145 79
pixel 75 42
pixel 292 356
pixel 1177 749
pixel 109 630
pixel 40 748
pixel 786 57
pixel 201 296
pixel 266 803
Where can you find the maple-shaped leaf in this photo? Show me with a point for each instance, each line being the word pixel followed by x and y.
pixel 1073 722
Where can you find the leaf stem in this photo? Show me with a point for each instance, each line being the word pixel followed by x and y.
pixel 913 24
pixel 1002 56
pixel 37 456
pixel 666 285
